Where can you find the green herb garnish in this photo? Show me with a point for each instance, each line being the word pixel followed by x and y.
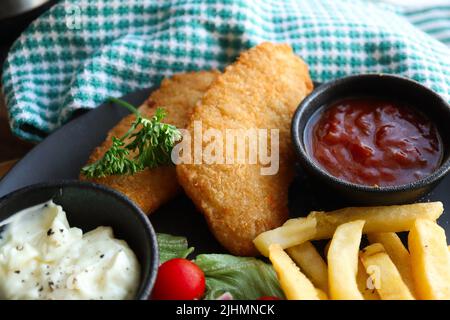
pixel 151 139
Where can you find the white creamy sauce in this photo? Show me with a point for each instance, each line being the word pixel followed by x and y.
pixel 42 257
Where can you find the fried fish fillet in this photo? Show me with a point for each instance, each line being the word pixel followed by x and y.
pixel 178 95
pixel 261 90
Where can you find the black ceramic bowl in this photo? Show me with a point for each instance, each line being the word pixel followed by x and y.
pixel 88 206
pixel 427 102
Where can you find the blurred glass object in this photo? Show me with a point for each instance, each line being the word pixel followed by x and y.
pixel 16 15
pixel 12 8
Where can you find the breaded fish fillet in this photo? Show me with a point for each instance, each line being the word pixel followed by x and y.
pixel 178 95
pixel 261 90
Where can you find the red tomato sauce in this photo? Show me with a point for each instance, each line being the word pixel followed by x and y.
pixel 374 142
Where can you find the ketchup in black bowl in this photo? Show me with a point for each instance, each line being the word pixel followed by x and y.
pixel 374 142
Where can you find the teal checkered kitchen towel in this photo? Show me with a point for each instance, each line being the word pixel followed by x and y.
pixel 81 52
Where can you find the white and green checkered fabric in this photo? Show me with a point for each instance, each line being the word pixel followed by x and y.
pixel 81 52
pixel 434 21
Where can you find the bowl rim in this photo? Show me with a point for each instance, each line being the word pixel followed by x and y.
pixel 299 146
pixel 149 278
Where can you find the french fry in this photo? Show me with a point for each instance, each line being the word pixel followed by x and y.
pixel 295 285
pixel 343 261
pixel 311 263
pixel 321 225
pixel 379 266
pixel 286 236
pixel 378 219
pixel 327 247
pixel 398 254
pixel 322 295
pixel 293 221
pixel 363 280
pixel 430 261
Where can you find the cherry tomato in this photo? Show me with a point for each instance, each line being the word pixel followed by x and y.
pixel 179 279
pixel 269 298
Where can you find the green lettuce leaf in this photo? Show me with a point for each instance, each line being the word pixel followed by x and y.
pixel 171 247
pixel 244 278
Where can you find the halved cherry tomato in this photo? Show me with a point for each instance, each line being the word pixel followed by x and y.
pixel 179 279
pixel 268 298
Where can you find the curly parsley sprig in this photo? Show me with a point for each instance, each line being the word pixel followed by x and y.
pixel 150 139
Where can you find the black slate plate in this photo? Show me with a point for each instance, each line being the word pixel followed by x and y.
pixel 62 154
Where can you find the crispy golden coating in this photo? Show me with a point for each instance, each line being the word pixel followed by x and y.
pixel 178 95
pixel 261 90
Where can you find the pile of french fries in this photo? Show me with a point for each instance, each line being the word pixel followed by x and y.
pixel 384 270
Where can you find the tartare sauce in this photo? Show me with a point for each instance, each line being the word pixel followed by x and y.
pixel 42 257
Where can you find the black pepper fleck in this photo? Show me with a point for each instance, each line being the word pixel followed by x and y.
pixel 102 256
pixel 17 271
pixel 50 232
